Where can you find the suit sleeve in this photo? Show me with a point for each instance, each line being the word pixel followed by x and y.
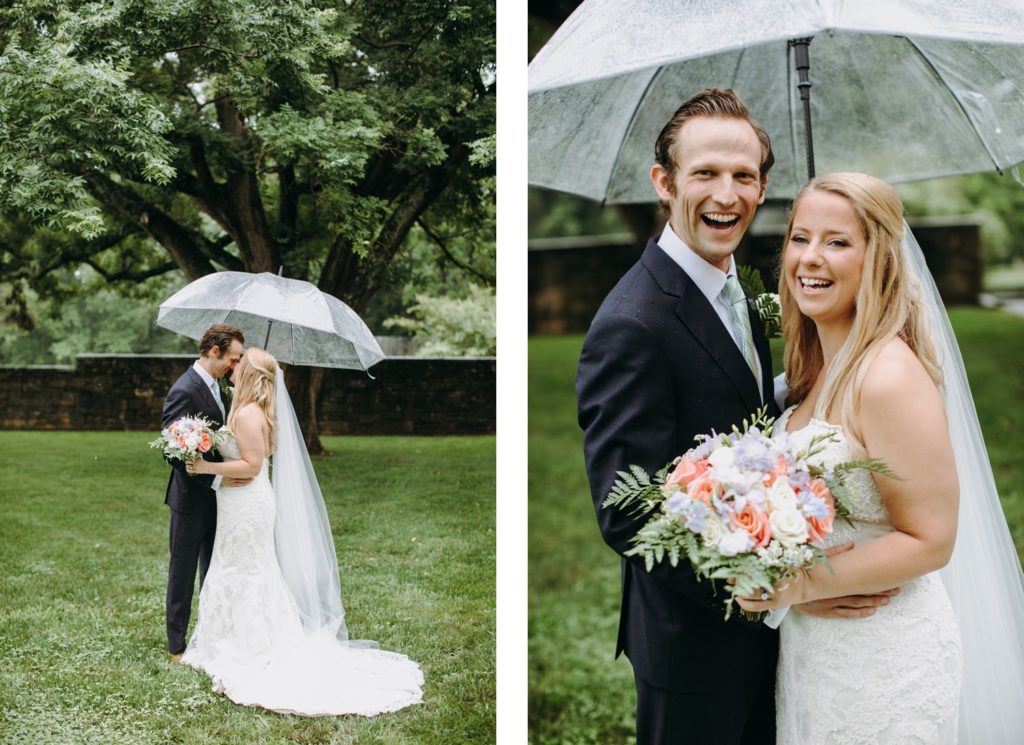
pixel 177 405
pixel 626 401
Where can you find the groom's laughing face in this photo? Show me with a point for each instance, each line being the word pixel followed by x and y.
pixel 716 187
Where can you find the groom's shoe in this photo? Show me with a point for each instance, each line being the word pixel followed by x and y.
pixel 176 657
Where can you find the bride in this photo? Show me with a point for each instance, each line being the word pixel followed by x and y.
pixel 271 629
pixel 870 359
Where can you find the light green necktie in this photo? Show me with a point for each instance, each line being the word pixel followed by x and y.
pixel 733 294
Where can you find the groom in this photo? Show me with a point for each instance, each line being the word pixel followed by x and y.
pixel 676 350
pixel 191 498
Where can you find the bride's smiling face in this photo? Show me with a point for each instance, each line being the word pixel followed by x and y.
pixel 824 257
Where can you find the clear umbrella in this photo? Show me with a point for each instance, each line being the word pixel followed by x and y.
pixel 902 89
pixel 292 319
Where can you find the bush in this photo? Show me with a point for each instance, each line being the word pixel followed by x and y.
pixel 452 327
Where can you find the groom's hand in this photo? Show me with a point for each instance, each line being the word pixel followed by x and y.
pixel 848 606
pixel 233 481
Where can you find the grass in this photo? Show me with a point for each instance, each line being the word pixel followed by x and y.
pixel 83 563
pixel 578 694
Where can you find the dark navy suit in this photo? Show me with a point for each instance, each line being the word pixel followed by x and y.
pixel 657 368
pixel 193 506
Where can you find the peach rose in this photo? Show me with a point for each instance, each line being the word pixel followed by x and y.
pixel 817 528
pixel 703 488
pixel 755 521
pixel 205 443
pixel 181 441
pixel 685 472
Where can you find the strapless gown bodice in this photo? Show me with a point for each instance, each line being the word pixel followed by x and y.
pixel 888 679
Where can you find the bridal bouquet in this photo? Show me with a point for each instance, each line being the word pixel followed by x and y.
pixel 740 506
pixel 187 438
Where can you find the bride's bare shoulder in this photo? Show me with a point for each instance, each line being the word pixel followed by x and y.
pixel 251 414
pixel 896 380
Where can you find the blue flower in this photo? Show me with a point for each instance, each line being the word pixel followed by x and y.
pixel 693 514
pixel 815 507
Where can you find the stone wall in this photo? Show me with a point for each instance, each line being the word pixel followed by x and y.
pixel 569 277
pixel 407 395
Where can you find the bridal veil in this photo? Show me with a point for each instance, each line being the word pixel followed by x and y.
pixel 983 578
pixel 302 532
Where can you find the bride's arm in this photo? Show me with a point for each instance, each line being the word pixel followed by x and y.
pixel 903 422
pixel 248 426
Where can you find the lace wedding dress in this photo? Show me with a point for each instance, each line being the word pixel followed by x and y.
pixel 892 678
pixel 250 639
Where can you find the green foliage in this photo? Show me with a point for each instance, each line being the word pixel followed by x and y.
pixel 83 656
pixel 998 201
pixel 96 320
pixel 451 327
pixel 143 136
pixel 554 214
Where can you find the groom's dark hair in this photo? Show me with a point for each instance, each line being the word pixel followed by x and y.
pixel 219 335
pixel 716 102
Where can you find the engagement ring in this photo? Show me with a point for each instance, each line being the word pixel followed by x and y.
pixel 764 596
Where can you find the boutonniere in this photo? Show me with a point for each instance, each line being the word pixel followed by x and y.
pixel 227 391
pixel 767 305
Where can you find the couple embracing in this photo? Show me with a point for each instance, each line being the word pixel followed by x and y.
pixel 870 651
pixel 271 629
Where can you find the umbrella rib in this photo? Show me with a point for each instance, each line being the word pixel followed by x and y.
pixel 790 107
pixel 625 134
pixel 963 109
pixel 736 69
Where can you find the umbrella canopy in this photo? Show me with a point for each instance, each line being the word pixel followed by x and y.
pixel 306 326
pixel 902 89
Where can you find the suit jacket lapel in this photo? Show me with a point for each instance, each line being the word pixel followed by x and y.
pixel 206 395
pixel 696 313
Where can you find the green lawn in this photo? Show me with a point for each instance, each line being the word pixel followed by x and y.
pixel 83 562
pixel 578 694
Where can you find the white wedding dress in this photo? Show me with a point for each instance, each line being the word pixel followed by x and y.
pixel 249 637
pixel 892 678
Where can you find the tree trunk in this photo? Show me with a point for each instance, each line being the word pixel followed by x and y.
pixel 304 385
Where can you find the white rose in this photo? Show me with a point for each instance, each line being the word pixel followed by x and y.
pixel 781 496
pixel 789 526
pixel 713 529
pixel 735 542
pixel 722 457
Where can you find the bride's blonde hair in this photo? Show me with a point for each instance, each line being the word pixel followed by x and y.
pixel 257 375
pixel 888 305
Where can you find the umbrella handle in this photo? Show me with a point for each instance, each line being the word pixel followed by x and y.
pixel 803 67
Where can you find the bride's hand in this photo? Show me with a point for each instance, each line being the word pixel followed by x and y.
pixel 196 468
pixel 788 592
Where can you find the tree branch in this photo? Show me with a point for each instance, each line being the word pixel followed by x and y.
pixel 85 251
pixel 444 249
pixel 378 44
pixel 131 276
pixel 183 245
pixel 190 47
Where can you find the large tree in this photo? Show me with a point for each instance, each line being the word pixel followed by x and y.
pixel 141 136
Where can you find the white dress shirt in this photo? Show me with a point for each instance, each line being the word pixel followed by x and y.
pixel 710 280
pixel 211 383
